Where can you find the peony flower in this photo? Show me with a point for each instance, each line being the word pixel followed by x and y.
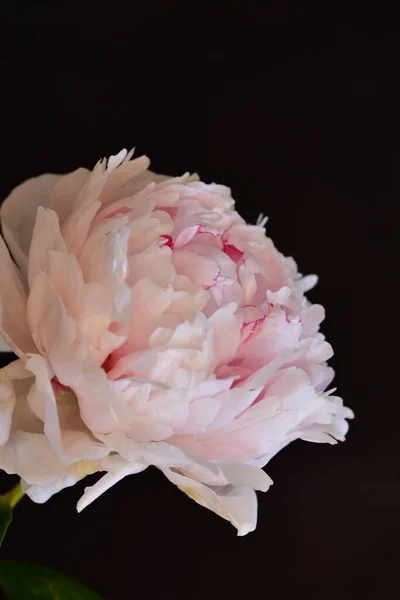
pixel 153 326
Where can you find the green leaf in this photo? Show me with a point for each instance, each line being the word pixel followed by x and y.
pixel 7 504
pixel 25 581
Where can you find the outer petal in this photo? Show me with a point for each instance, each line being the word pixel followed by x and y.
pixel 329 423
pixel 235 504
pixel 164 455
pixel 46 237
pixel 76 226
pixel 248 475
pixel 13 304
pixel 10 387
pixel 7 403
pixel 65 192
pixel 74 365
pixel 59 412
pixel 31 456
pixel 159 454
pixel 117 469
pixel 127 179
pixel 18 214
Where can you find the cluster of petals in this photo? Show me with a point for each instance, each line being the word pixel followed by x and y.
pixel 153 326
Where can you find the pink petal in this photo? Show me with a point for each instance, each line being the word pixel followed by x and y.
pixel 7 403
pixel 13 304
pixel 65 192
pixel 200 269
pixel 148 304
pixel 18 214
pixel 59 411
pixel 154 262
pixel 46 237
pixel 74 366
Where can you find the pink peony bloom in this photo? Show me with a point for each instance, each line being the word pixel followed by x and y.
pixel 155 327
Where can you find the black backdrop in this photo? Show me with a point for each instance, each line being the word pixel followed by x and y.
pixel 297 110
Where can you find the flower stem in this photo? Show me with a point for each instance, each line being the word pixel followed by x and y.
pixel 14 495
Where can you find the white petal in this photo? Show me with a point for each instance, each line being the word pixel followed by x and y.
pixel 117 473
pixel 31 456
pixel 152 453
pixel 235 504
pixel 115 160
pixel 248 475
pixel 307 283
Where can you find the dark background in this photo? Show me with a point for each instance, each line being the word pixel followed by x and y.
pixel 297 110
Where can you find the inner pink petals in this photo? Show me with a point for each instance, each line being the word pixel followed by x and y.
pixel 122 210
pixel 234 253
pixel 59 387
pixel 199 269
pixel 168 241
pixel 250 330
